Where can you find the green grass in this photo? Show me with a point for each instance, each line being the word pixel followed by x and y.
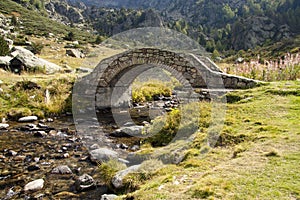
pixel 257 157
pixel 145 91
pixel 16 101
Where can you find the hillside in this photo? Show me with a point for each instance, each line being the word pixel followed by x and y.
pixel 33 22
pixel 221 25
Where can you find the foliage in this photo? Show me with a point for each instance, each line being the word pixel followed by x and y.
pixel 4 48
pixel 146 91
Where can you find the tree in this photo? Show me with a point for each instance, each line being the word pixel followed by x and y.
pixel 4 48
pixel 70 36
pixel 14 20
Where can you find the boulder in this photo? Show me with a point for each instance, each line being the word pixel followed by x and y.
pixel 31 61
pixel 28 119
pixel 34 185
pixel 103 154
pixel 117 180
pixel 84 182
pixel 75 53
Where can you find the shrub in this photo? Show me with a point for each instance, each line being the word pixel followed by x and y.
pixel 109 169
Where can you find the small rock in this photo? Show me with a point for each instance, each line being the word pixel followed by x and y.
pixel 122 146
pixel 34 185
pixel 3 126
pixel 10 194
pixel 84 182
pixel 28 119
pixel 19 158
pixel 128 124
pixel 117 180
pixel 40 125
pixel 135 148
pixel 50 120
pixel 12 153
pixel 53 133
pixel 95 146
pixel 83 70
pixel 108 197
pixel 33 168
pixel 66 155
pixel 103 155
pixel 40 134
pixel 63 169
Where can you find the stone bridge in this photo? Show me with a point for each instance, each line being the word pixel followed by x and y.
pixel 114 75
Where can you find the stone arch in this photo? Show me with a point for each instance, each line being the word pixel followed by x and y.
pixel 187 68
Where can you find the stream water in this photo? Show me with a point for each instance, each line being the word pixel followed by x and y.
pixel 27 155
pixel 31 151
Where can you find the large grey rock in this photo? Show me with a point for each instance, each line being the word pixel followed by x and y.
pixel 62 169
pixel 4 60
pixel 103 155
pixel 31 61
pixel 84 182
pixel 132 130
pixel 28 119
pixel 108 197
pixel 75 53
pixel 34 185
pixel 117 180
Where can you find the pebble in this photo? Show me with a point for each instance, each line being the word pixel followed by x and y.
pixel 34 185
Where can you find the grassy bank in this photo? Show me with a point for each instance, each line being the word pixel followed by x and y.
pixel 256 156
pixel 38 94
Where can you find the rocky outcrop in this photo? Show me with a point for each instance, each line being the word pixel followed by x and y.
pixel 253 31
pixel 62 11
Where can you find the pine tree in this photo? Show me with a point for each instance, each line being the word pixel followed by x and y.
pixel 4 48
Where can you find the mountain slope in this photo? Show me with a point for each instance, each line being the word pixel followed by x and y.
pixel 222 24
